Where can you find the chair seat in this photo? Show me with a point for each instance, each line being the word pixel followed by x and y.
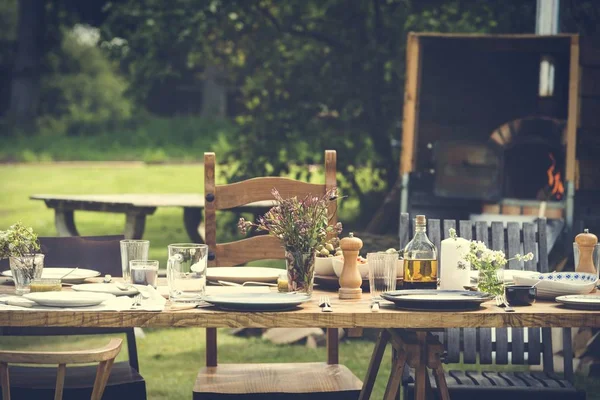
pixel 277 381
pixel 498 385
pixel 40 382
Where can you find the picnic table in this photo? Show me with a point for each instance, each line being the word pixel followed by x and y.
pixel 346 314
pixel 135 207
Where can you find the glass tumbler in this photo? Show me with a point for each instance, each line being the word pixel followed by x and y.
pixel 144 272
pixel 186 272
pixel 382 273
pixel 132 249
pixel 595 256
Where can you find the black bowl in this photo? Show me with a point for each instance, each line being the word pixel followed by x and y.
pixel 520 295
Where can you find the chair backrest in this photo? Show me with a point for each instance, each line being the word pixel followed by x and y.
pixel 222 197
pixel 228 196
pixel 105 356
pixel 525 345
pixel 100 253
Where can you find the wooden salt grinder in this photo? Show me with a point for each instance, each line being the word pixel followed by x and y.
pixel 586 242
pixel 350 280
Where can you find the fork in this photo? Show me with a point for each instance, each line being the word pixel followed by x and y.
pixel 137 301
pixel 324 302
pixel 501 302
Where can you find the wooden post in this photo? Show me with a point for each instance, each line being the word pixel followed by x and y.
pixel 572 123
pixel 410 115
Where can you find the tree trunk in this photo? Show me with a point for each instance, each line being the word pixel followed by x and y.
pixel 214 93
pixel 25 87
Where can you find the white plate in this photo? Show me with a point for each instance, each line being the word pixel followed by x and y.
pixel 584 302
pixel 105 288
pixel 68 299
pixel 551 285
pixel 243 274
pixel 77 276
pixel 257 301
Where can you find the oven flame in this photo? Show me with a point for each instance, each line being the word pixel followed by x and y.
pixel 554 180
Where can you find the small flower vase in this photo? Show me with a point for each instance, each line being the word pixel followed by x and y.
pixel 300 271
pixel 25 269
pixel 491 281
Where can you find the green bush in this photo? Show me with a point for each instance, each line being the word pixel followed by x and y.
pixel 83 94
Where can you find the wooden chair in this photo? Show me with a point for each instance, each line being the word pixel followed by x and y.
pixel 103 254
pixel 265 381
pixel 515 346
pixel 105 356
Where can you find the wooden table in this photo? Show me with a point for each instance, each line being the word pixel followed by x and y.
pixel 135 207
pixel 400 324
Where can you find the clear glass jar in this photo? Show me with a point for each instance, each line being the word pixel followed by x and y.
pixel 420 259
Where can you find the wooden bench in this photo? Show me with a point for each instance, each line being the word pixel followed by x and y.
pixel 135 207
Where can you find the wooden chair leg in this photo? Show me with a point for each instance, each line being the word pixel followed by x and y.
pixel 98 381
pixel 4 381
pixel 382 340
pixel 107 370
pixel 60 381
pixel 395 376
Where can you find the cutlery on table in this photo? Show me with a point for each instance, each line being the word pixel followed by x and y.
pixel 501 302
pixel 69 273
pixel 136 302
pixel 325 304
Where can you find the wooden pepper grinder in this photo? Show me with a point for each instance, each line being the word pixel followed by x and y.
pixel 350 280
pixel 586 242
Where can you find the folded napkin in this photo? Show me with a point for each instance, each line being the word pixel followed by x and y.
pixel 151 301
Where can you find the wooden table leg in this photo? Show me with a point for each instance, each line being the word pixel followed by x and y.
pixel 395 380
pixel 192 217
pixel 64 222
pixel 420 365
pixel 134 225
pixel 369 381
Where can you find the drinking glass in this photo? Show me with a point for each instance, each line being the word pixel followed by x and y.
pixel 382 273
pixel 186 272
pixel 144 272
pixel 132 250
pixel 25 269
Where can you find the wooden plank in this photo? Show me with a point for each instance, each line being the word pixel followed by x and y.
pixel 333 339
pixel 478 377
pixel 331 182
pixel 485 334
pixel 410 115
pixel 590 51
pixel 513 231
pixel 542 241
pixel 469 334
pixel 590 118
pixel 568 354
pixel 501 334
pixel 573 110
pixel 529 245
pixel 434 234
pixel 259 189
pixel 548 355
pixel 534 346
pixel 210 216
pixel 462 378
pixel 263 247
pixel 276 378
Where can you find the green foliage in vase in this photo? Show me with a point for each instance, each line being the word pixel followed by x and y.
pixel 18 241
pixel 488 263
pixel 301 224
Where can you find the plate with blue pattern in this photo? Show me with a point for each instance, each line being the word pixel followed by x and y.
pixel 552 284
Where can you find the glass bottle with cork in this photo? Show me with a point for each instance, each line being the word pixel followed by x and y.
pixel 420 259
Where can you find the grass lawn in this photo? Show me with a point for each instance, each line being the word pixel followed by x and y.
pixel 169 358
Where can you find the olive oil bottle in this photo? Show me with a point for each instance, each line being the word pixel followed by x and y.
pixel 420 259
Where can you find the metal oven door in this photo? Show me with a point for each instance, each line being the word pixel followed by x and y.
pixel 467 170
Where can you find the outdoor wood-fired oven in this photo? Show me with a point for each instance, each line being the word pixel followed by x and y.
pixel 478 136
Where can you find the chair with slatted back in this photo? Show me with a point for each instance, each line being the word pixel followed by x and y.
pixel 103 254
pixel 265 381
pixel 514 346
pixel 104 356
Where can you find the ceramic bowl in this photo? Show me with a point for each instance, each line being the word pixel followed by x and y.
pixel 324 266
pixel 553 284
pixel 520 295
pixel 338 265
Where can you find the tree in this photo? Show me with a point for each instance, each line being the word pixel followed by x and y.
pixel 310 74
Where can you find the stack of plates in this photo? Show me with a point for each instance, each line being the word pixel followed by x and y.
pixel 551 285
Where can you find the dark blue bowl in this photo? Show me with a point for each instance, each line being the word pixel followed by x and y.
pixel 520 295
